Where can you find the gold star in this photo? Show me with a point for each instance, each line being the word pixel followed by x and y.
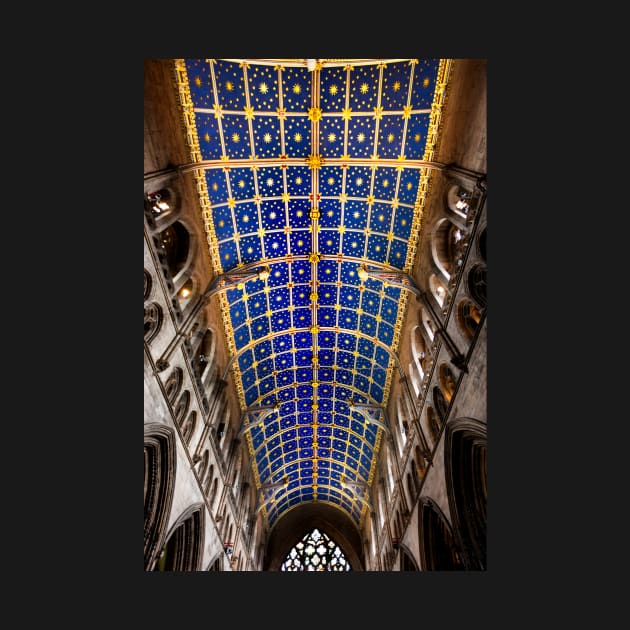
pixel 407 112
pixel 297 88
pixel 267 138
pixel 260 232
pixel 425 83
pixel 370 199
pixel 197 81
pixel 346 114
pixel 263 88
pixel 343 197
pixel 396 86
pixel 395 203
pixel 378 113
pixel 249 113
pixel 333 89
pixel 361 137
pixel 332 137
pixel 282 113
pixel 314 114
pixel 314 162
pixel 218 113
pixel 297 137
pixel 390 236
pixel 390 137
pixel 286 197
pixel 231 202
pixel 229 86
pixel 341 229
pixel 364 88
pixel 235 137
pixel 206 137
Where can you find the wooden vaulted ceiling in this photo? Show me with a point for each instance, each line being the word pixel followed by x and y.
pixel 311 168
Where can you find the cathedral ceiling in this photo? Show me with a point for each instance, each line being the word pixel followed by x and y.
pixel 308 169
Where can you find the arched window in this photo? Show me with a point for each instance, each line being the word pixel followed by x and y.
pixel 445 246
pixel 213 494
pixel 152 321
pixel 434 424
pixel 208 480
pixel 188 427
pixel 465 468
pixel 438 289
pixel 468 318
pixel 419 461
pixel 159 481
pixel 173 384
pixel 184 547
pixel 438 549
pixel 176 243
pixel 411 488
pixel 447 382
pixel 403 425
pixel 204 357
pixel 441 406
pixel 181 409
pixel 418 351
pixel 316 551
pixel 203 464
pixel 477 284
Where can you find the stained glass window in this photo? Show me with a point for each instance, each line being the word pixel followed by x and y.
pixel 316 552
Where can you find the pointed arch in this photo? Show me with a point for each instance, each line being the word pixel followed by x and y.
pixel 316 551
pixel 174 384
pixel 184 543
pixel 159 483
pixel 465 473
pixel 438 549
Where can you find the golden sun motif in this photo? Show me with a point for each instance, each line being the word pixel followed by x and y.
pixel 298 180
pixel 235 137
pixel 417 137
pixel 297 88
pixel 359 181
pixel 267 138
pixel 263 88
pixel 390 137
pixel 298 137
pixel 396 86
pixel 197 81
pixel 333 89
pixel 269 182
pixel 241 184
pixel 425 83
pixel 229 86
pixel 332 137
pixel 331 181
pixel 361 137
pixel 364 88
